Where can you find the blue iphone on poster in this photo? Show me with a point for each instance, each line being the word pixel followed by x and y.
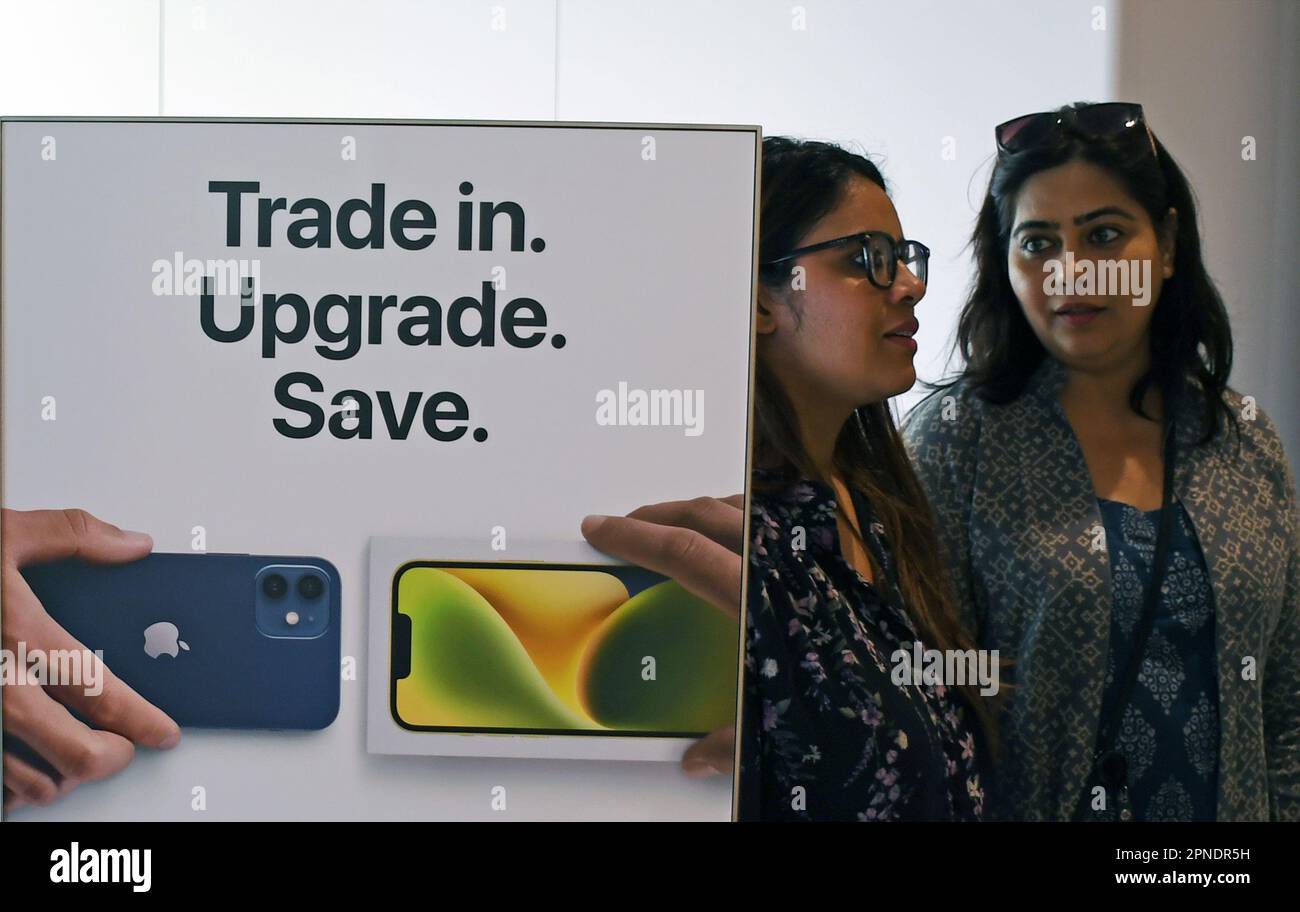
pixel 213 640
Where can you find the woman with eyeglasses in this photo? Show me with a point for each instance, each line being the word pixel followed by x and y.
pixel 844 560
pixel 1120 524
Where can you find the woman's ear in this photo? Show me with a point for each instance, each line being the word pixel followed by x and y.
pixel 1169 240
pixel 765 320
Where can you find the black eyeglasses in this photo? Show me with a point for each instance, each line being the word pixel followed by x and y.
pixel 1098 121
pixel 880 255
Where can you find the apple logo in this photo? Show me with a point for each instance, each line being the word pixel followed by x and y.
pixel 162 638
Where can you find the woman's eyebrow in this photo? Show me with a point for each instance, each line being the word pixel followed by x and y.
pixel 893 237
pixel 1078 219
pixel 1104 210
pixel 1036 223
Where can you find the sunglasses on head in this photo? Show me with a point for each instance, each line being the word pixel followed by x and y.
pixel 1097 121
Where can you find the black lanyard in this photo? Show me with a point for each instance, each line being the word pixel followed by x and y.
pixel 1110 763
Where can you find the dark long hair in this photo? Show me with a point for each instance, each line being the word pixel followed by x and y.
pixel 1191 342
pixel 802 182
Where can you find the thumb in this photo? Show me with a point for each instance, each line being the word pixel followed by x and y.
pixel 711 755
pixel 37 536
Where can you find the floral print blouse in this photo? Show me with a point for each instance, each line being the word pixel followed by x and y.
pixel 826 733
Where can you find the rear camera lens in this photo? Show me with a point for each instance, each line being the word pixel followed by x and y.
pixel 274 585
pixel 311 586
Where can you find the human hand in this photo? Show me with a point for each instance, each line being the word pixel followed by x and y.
pixel 697 543
pixel 38 715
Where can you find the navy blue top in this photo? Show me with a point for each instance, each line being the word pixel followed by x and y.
pixel 1170 729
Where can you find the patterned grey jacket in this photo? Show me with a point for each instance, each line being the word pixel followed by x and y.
pixel 1017 513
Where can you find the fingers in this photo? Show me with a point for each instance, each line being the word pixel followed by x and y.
pixel 711 755
pixel 721 521
pixel 11 801
pixel 36 536
pixel 736 500
pixel 701 565
pixel 50 734
pixel 25 784
pixel 78 753
pixel 102 698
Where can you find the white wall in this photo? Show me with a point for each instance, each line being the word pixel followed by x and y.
pixel 1210 73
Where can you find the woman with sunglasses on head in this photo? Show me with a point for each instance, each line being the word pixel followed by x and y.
pixel 844 569
pixel 1121 526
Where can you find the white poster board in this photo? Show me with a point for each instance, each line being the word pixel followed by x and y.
pixel 632 249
